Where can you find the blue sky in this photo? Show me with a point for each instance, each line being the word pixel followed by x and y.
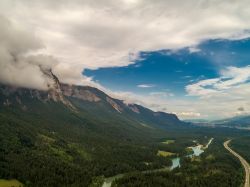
pixel 171 71
pixel 161 71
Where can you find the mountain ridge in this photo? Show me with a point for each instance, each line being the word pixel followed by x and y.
pixel 76 133
pixel 68 94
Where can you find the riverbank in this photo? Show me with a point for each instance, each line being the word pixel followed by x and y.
pixel 197 151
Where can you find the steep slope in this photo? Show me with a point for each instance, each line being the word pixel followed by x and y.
pixel 46 143
pixel 92 99
pixel 68 135
pixel 86 100
pixel 89 100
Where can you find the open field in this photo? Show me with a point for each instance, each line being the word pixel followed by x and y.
pixel 10 183
pixel 165 153
pixel 168 142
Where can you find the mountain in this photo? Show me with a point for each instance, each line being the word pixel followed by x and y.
pixel 84 99
pixel 239 122
pixel 242 122
pixel 68 135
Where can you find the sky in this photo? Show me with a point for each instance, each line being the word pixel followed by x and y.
pixel 187 57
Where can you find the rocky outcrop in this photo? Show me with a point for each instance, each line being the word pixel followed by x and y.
pixel 134 108
pixel 79 93
pixel 55 92
pixel 117 107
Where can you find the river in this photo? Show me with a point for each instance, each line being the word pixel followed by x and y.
pixel 197 151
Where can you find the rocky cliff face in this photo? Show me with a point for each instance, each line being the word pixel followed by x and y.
pixel 134 108
pixel 54 93
pixel 79 93
pixel 64 93
pixel 116 106
pixel 57 92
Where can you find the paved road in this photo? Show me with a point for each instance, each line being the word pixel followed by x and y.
pixel 242 160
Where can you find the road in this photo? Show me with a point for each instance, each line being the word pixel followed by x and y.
pixel 242 160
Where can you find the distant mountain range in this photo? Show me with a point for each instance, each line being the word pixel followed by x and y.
pixel 240 122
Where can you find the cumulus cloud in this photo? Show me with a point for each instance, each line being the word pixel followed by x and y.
pixel 201 88
pixel 17 67
pixel 231 78
pixel 220 96
pixel 94 34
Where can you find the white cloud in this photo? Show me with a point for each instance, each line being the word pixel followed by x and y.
pixel 161 94
pixel 194 49
pixel 217 106
pixel 233 76
pixel 223 96
pixel 230 78
pixel 145 86
pixel 94 34
pixel 199 88
pixel 17 67
pixel 188 114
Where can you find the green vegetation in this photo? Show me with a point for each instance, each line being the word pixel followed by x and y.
pixel 49 145
pixel 46 144
pixel 242 146
pixel 66 149
pixel 168 141
pixel 214 168
pixel 165 153
pixel 10 183
pixel 189 150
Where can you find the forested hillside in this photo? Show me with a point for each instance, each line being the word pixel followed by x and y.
pixel 76 136
pixel 215 167
pixel 67 139
pixel 242 146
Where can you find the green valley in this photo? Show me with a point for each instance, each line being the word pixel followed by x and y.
pixel 47 143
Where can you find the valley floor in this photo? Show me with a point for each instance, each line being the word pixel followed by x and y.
pixel 197 150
